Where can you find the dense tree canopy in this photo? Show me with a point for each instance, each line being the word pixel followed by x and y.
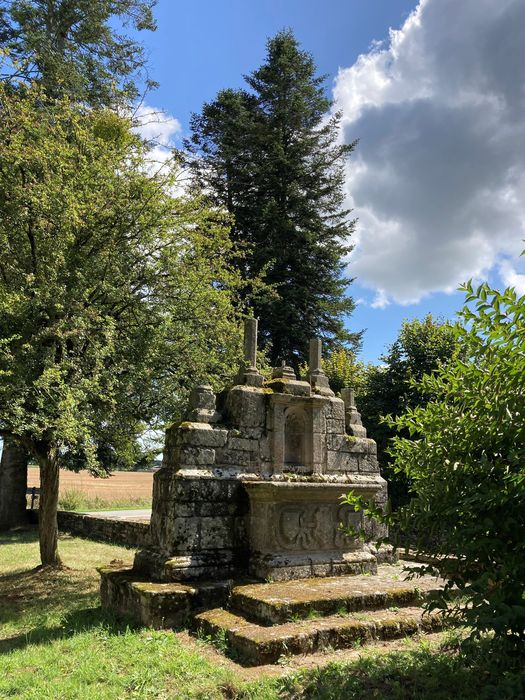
pixel 114 296
pixel 395 385
pixel 74 47
pixel 71 48
pixel 272 157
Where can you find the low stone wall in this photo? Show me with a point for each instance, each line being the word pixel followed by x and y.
pixel 130 533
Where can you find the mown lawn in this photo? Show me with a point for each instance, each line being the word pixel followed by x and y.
pixel 56 642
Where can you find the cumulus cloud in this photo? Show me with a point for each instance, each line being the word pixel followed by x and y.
pixel 438 178
pixel 160 130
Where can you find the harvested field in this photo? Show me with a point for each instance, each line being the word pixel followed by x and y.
pixel 119 486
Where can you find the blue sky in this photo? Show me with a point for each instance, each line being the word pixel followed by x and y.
pixel 438 181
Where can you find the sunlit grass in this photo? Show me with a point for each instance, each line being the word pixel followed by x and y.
pixel 56 642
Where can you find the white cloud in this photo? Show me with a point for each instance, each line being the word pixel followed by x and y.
pixel 511 277
pixel 438 177
pixel 160 130
pixel 156 126
pixel 163 132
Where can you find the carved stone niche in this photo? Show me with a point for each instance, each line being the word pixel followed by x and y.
pixel 296 446
pixel 295 439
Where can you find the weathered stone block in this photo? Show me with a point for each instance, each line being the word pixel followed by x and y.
pixel 282 385
pixel 246 444
pixel 234 458
pixel 335 425
pixel 216 533
pixel 245 406
pixel 368 464
pixel 335 441
pixel 341 461
pixel 195 456
pixel 338 409
pixel 185 534
pixel 202 435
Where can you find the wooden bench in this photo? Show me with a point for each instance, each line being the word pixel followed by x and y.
pixel 34 492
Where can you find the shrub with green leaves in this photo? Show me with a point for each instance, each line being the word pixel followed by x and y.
pixel 466 462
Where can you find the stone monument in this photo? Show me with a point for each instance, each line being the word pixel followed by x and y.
pixel 250 483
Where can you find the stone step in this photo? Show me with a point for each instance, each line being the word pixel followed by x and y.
pixel 277 603
pixel 253 644
pixel 158 605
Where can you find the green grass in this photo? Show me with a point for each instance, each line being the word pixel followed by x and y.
pixel 421 673
pixel 77 501
pixel 57 643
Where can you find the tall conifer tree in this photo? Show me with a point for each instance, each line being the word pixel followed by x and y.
pixel 272 157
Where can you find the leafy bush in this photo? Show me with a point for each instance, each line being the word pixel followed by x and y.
pixel 71 500
pixel 465 459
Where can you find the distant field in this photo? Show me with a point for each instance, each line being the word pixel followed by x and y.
pixel 125 486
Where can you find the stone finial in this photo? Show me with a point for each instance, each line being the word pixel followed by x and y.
pixel 353 422
pixel 283 372
pixel 250 342
pixel 318 379
pixel 248 373
pixel 202 404
pixel 316 355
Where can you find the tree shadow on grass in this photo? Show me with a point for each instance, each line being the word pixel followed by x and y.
pixel 40 605
pixel 77 622
pixel 484 672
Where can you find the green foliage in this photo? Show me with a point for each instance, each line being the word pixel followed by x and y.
pixel 272 160
pixel 392 387
pixel 465 457
pixel 115 297
pixel 76 47
pixel 106 282
pixel 343 370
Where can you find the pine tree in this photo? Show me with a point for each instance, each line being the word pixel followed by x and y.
pixel 272 157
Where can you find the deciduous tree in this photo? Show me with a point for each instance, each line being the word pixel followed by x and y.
pixel 395 385
pixel 76 47
pixel 464 454
pixel 114 296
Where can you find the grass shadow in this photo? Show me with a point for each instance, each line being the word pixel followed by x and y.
pixel 40 605
pixel 484 672
pixel 25 534
pixel 77 622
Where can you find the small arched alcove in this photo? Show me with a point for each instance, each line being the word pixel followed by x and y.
pixel 294 438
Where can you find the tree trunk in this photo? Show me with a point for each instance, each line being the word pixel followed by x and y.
pixel 47 512
pixel 13 485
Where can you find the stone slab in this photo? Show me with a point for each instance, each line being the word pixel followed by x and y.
pixel 276 603
pixel 254 644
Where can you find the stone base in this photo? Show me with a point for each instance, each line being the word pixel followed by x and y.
pixel 157 605
pixel 301 529
pixel 216 566
pixel 283 567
